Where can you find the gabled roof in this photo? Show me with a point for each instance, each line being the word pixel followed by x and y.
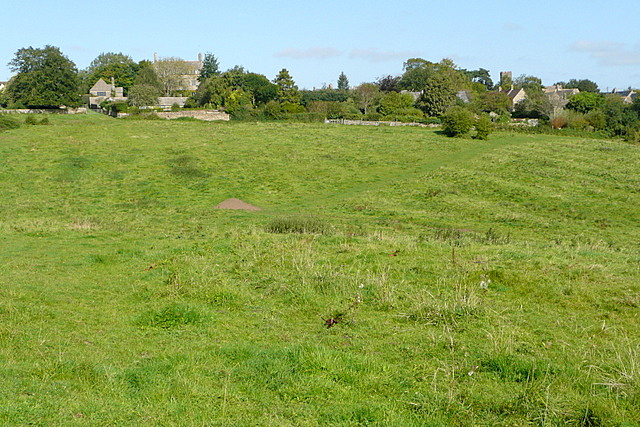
pixel 513 93
pixel 101 86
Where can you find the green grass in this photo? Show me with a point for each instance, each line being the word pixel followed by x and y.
pixel 393 277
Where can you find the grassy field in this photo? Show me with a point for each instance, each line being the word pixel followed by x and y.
pixel 394 277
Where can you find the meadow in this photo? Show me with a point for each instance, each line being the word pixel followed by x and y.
pixel 394 276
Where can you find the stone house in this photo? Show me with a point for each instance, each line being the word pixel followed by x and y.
pixel 628 96
pixel 516 95
pixel 190 78
pixel 559 96
pixel 102 91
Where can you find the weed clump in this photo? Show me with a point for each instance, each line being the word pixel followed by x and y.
pixel 8 122
pixel 171 316
pixel 300 225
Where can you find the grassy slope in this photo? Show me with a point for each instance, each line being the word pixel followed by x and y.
pixel 227 327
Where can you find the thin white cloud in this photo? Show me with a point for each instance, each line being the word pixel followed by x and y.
pixel 376 55
pixel 310 53
pixel 608 52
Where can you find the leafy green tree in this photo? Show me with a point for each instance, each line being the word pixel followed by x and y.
pixel 437 97
pixel 484 126
pixel 585 102
pixel 45 79
pixel 147 75
pixel 366 96
pixel 327 95
pixel 620 117
pixel 497 102
pixel 457 121
pixel 584 85
pixel 394 103
pixel 287 89
pixel 528 83
pixel 261 89
pixel 343 82
pixel 481 76
pixel 118 66
pixel 210 67
pixel 438 82
pixel 536 104
pixel 389 83
pixel 143 95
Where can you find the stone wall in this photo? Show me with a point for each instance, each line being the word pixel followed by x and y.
pixel 80 110
pixel 377 123
pixel 206 115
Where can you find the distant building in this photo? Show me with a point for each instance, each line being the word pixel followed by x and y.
pixel 515 95
pixel 628 96
pixel 3 85
pixel 559 96
pixel 103 91
pixel 190 78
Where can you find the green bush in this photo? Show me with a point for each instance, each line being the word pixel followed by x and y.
pixel 30 120
pixel 457 121
pixel 484 127
pixel 8 122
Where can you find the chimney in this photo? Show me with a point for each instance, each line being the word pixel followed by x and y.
pixel 155 57
pixel 200 57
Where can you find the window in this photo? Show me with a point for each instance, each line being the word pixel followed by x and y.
pixel 102 94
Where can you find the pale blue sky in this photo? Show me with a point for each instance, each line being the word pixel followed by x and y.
pixel 315 41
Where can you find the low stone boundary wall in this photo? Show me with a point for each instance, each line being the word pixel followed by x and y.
pixel 377 123
pixel 206 115
pixel 81 110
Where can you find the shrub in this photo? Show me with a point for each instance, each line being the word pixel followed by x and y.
pixel 484 127
pixel 30 120
pixel 8 122
pixel 559 122
pixel 457 121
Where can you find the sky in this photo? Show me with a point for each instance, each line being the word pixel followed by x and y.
pixel 316 41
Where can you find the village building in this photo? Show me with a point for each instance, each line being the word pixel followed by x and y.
pixel 102 91
pixel 189 80
pixel 559 96
pixel 628 96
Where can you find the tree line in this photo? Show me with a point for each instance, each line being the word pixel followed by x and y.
pixel 425 91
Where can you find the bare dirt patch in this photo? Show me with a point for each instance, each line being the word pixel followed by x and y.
pixel 236 204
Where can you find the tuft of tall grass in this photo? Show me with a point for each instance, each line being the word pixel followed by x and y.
pixel 301 225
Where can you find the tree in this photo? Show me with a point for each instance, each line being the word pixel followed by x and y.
pixel 142 95
pixel 147 75
pixel 394 103
pixel 583 85
pixel 171 72
pixel 287 89
pixel 343 82
pixel 45 79
pixel 110 65
pixel 210 67
pixel 480 76
pixel 484 126
pixel 437 97
pixel 585 102
pixel 365 96
pixel 498 102
pixel 389 83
